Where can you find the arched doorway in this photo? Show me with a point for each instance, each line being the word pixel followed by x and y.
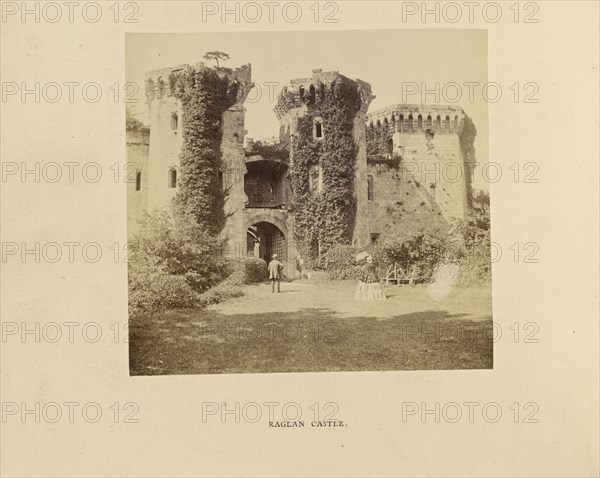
pixel 263 239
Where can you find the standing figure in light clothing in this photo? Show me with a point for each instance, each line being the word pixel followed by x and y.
pixel 275 272
pixel 368 287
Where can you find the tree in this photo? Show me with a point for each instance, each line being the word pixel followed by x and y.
pixel 216 55
pixel 132 124
pixel 480 211
pixel 467 138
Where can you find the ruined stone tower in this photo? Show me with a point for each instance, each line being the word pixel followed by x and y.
pixel 416 164
pixel 166 142
pixel 294 105
pixel 404 160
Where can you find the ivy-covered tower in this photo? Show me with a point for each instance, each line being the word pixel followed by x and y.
pixel 337 177
pixel 196 154
pixel 322 120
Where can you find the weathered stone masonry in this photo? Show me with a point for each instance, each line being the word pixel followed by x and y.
pixel 430 174
pixel 408 159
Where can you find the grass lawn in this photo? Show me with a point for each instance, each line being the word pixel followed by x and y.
pixel 317 327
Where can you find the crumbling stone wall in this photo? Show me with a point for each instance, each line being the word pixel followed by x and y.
pixel 397 194
pixel 424 172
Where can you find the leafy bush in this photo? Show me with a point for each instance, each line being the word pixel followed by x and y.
pixel 340 262
pixel 422 246
pixel 255 269
pixel 430 246
pixel 475 264
pixel 176 264
pixel 230 287
pixel 182 248
pixel 475 252
pixel 153 290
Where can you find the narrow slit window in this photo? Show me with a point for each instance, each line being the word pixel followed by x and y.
pixel 138 181
pixel 174 122
pixel 370 187
pixel 318 130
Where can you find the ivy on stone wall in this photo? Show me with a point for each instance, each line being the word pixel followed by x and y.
pixel 326 217
pixel 204 96
pixel 467 138
pixel 378 138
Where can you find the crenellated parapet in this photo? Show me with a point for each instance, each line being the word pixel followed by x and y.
pixel 161 83
pixel 407 118
pixel 292 95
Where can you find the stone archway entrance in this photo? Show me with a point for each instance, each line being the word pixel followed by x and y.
pixel 263 239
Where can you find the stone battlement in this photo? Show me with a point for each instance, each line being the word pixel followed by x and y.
pixel 290 96
pixel 158 82
pixel 407 118
pixel 405 159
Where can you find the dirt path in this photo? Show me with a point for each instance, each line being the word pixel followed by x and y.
pixel 473 303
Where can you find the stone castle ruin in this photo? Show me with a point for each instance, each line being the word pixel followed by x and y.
pixel 404 160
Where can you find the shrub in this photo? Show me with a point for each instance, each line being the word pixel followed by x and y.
pixel 173 292
pixel 476 265
pixel 419 243
pixel 255 269
pixel 182 248
pixel 153 290
pixel 173 263
pixel 340 262
pixel 421 249
pixel 475 252
pixel 230 287
pixel 426 247
pixel 430 246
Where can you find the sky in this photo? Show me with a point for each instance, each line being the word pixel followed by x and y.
pixel 392 61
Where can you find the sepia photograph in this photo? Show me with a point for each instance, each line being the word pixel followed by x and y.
pixel 299 239
pixel 296 203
